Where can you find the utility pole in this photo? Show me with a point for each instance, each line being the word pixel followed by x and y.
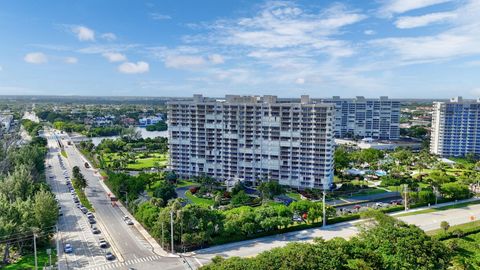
pixel 35 250
pixel 171 230
pixel 405 188
pixel 324 219
pixel 436 194
pixel 162 232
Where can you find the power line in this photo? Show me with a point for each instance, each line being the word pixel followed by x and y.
pixel 27 232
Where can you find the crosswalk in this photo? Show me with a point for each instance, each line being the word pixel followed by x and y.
pixel 116 265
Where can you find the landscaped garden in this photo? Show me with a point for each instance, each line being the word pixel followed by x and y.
pixel 210 213
pixel 135 161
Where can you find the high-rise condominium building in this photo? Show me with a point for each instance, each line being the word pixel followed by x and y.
pixel 253 138
pixel 366 118
pixel 455 128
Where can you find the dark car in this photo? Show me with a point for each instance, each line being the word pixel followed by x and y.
pixel 68 248
pixel 103 244
pixel 91 221
pixel 95 230
pixel 109 256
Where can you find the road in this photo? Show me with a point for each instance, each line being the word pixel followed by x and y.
pixel 248 248
pixel 127 243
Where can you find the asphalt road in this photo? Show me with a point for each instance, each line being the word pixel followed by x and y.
pixel 73 226
pixel 127 243
pixel 248 248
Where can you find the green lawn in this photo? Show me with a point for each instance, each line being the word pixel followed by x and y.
pixel 443 208
pixel 369 192
pixel 185 183
pixel 294 195
pixel 463 227
pixel 200 201
pixel 28 261
pixel 140 161
pixel 395 188
pixel 64 154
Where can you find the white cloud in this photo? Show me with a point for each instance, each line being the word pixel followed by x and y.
pixel 134 68
pixel 369 32
pixel 71 60
pixel 284 25
pixel 475 92
pixel 159 16
pixel 109 36
pixel 300 81
pixel 424 20
pixel 83 33
pixel 216 59
pixel 400 6
pixel 35 58
pixel 114 57
pixel 100 49
pixel 462 39
pixel 184 61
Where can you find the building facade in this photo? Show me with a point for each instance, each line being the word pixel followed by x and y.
pixel 150 120
pixel 378 119
pixel 455 128
pixel 251 138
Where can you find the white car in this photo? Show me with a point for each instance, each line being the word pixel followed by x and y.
pixel 128 220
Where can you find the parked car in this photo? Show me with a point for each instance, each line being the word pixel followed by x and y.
pixel 90 215
pixel 380 204
pixel 95 230
pixel 92 221
pixel 68 248
pixel 83 209
pixel 102 243
pixel 109 256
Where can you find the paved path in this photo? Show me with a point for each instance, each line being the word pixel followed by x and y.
pixel 248 248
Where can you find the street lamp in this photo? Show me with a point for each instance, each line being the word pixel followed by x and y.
pixel 171 229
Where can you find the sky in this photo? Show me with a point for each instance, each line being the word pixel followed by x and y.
pixel 399 48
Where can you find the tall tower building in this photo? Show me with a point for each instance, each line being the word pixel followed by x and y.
pixel 366 118
pixel 455 128
pixel 252 138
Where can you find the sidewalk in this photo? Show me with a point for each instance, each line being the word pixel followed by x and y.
pixel 434 206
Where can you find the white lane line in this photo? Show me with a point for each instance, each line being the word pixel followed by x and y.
pixel 82 222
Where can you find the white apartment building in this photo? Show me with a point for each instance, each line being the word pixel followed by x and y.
pixel 252 138
pixel 360 117
pixel 455 128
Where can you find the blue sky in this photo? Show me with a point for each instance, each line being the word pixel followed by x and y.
pixel 399 48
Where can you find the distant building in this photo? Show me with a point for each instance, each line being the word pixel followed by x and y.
pixel 252 138
pixel 128 121
pixel 6 121
pixel 366 118
pixel 150 120
pixel 456 128
pixel 102 121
